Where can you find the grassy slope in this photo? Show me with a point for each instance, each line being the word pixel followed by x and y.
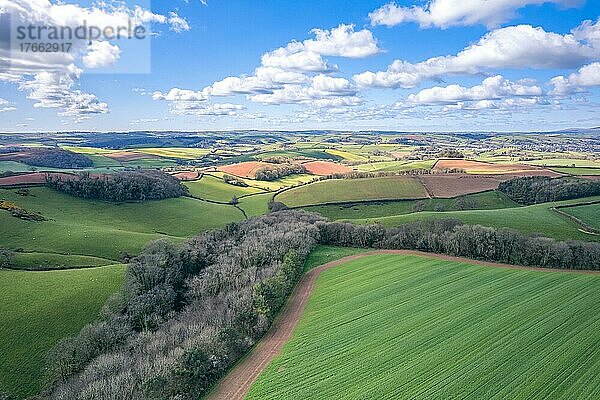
pixel 339 190
pixel 484 201
pixel 393 326
pixel 388 166
pixel 324 254
pixel 38 309
pixel 590 214
pixel 100 229
pixel 215 189
pixel 538 218
pixel 578 171
pixel 46 261
pixel 257 204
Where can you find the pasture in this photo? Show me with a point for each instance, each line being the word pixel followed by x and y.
pixel 482 201
pixel 539 218
pixel 395 166
pixel 589 214
pixel 215 189
pixel 40 308
pixel 346 190
pixel 406 327
pixel 76 226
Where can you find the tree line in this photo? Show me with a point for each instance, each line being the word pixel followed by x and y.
pixel 49 157
pixel 541 189
pixel 273 172
pixel 119 187
pixel 187 314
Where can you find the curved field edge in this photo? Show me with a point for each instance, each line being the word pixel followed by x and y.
pixel 535 219
pixel 401 326
pixel 40 308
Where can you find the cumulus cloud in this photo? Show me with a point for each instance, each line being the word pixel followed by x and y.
pixel 492 88
pixel 343 41
pixel 50 77
pixel 52 89
pixel 446 13
pixel 521 46
pixel 101 54
pixel 585 78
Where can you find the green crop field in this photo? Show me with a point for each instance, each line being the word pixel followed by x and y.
pixel 40 308
pixel 257 204
pixel 564 162
pixel 324 254
pixel 577 170
pixel 215 189
pixel 589 214
pixel 175 152
pixel 344 190
pixel 94 228
pixel 482 201
pixel 407 327
pixel 539 218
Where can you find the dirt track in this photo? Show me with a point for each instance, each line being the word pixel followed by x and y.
pixel 237 382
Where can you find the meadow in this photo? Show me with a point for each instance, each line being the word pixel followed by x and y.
pixel 215 189
pixel 40 308
pixel 76 226
pixel 539 218
pixel 482 201
pixel 345 190
pixel 409 327
pixel 589 214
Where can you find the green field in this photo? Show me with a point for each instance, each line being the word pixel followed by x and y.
pixel 14 166
pixel 407 327
pixel 345 190
pixel 577 171
pixel 589 214
pixel 482 201
pixel 257 204
pixel 539 218
pixel 48 261
pixel 215 189
pixel 94 228
pixel 38 309
pixel 564 162
pixel 324 254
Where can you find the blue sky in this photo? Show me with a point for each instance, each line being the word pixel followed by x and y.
pixel 375 65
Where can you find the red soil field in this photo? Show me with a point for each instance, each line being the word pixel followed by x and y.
pixel 29 179
pixel 244 169
pixel 476 167
pixel 452 185
pixel 187 175
pixel 325 168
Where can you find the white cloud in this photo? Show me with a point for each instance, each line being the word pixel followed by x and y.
pixel 58 70
pixel 52 89
pixel 521 46
pixel 101 54
pixel 343 41
pixel 176 94
pixel 586 77
pixel 446 13
pixel 492 88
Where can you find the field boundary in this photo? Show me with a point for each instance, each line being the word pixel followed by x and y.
pixel 585 228
pixel 236 384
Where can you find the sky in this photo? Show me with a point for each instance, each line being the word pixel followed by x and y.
pixel 409 65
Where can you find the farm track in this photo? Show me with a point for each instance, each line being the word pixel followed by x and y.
pixel 236 384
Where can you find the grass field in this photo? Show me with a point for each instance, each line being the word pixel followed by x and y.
pixel 577 171
pixel 48 261
pixel 407 327
pixel 564 162
pixel 94 228
pixel 324 254
pixel 175 152
pixel 589 214
pixel 215 189
pixel 539 218
pixel 346 155
pixel 483 201
pixel 343 190
pixel 257 204
pixel 38 309
pixel 14 166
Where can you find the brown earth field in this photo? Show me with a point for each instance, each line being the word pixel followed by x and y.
pixel 478 167
pixel 238 381
pixel 30 179
pixel 187 175
pixel 245 169
pixel 325 168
